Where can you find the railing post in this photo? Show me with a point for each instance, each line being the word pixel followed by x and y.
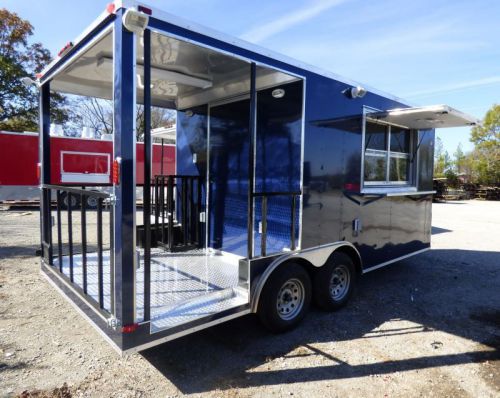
pixel 292 226
pixel 263 235
pixel 147 174
pixel 170 212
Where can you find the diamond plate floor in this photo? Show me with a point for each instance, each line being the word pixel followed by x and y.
pixel 184 286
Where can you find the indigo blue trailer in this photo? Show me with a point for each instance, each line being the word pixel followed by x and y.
pixel 291 182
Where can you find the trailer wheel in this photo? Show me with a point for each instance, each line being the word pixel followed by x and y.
pixel 334 282
pixel 285 299
pixel 74 201
pixel 92 202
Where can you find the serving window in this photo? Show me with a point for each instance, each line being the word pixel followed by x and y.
pixel 386 152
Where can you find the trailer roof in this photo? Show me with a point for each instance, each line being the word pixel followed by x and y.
pixel 194 27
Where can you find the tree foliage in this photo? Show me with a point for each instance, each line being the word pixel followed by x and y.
pixel 482 164
pixel 486 154
pixel 19 58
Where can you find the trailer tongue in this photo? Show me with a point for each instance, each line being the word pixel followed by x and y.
pixel 290 182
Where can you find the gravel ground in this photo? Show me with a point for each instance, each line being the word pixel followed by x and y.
pixel 427 326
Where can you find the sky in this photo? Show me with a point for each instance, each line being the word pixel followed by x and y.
pixel 427 52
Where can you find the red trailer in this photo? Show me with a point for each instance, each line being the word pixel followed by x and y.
pixel 75 161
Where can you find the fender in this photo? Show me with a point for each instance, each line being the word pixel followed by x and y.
pixel 317 256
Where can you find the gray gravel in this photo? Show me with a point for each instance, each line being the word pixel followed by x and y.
pixel 427 326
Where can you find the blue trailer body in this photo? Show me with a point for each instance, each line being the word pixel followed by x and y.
pixel 289 171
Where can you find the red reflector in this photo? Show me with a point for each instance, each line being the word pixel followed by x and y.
pixel 145 10
pixel 38 171
pixel 39 75
pixel 65 49
pixel 130 328
pixel 110 8
pixel 349 186
pixel 116 172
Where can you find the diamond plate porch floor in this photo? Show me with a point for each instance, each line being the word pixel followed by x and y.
pixel 184 286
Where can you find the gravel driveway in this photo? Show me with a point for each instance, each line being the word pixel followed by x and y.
pixel 427 326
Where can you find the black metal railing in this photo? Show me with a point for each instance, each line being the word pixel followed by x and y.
pixel 177 204
pixel 293 217
pixel 71 200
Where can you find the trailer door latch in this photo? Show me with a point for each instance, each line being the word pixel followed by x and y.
pixel 356 227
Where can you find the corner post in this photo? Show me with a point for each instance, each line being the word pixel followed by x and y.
pixel 124 146
pixel 44 156
pixel 251 155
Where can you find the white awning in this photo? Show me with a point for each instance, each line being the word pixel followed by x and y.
pixel 425 117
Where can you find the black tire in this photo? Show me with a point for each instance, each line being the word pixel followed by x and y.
pixel 92 202
pixel 279 308
pixel 75 201
pixel 331 294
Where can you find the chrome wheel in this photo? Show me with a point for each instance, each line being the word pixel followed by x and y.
pixel 340 282
pixel 290 299
pixel 92 202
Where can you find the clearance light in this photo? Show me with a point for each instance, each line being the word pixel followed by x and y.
pixel 65 49
pixel 135 21
pixel 116 171
pixel 110 8
pixel 130 328
pixel 352 187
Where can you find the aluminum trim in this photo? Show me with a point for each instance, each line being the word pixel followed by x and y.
pixel 185 332
pixel 395 260
pixel 302 146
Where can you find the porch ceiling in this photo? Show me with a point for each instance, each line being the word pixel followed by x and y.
pixel 183 74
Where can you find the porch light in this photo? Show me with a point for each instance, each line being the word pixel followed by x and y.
pixel 135 21
pixel 278 93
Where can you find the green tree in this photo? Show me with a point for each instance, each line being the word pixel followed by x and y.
pixel 460 160
pixel 18 58
pixel 486 154
pixel 442 160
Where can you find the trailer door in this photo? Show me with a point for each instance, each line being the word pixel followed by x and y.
pixel 228 176
pixel 278 168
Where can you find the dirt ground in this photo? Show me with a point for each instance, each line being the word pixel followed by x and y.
pixel 426 326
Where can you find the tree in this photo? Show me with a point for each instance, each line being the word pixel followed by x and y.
pixel 442 161
pixel 486 139
pixel 18 58
pixel 98 114
pixel 460 160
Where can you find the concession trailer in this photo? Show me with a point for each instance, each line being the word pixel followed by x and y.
pixel 75 161
pixel 290 182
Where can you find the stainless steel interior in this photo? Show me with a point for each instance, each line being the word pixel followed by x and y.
pixel 183 74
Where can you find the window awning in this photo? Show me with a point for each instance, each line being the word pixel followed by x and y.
pixel 425 117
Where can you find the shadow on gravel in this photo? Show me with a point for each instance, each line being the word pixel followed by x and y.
pixel 454 291
pixel 18 251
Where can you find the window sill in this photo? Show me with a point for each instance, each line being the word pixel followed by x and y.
pixel 394 191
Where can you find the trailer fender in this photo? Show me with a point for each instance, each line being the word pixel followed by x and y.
pixel 316 256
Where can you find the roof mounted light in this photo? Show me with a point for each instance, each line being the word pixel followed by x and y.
pixel 135 21
pixel 278 93
pixel 355 92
